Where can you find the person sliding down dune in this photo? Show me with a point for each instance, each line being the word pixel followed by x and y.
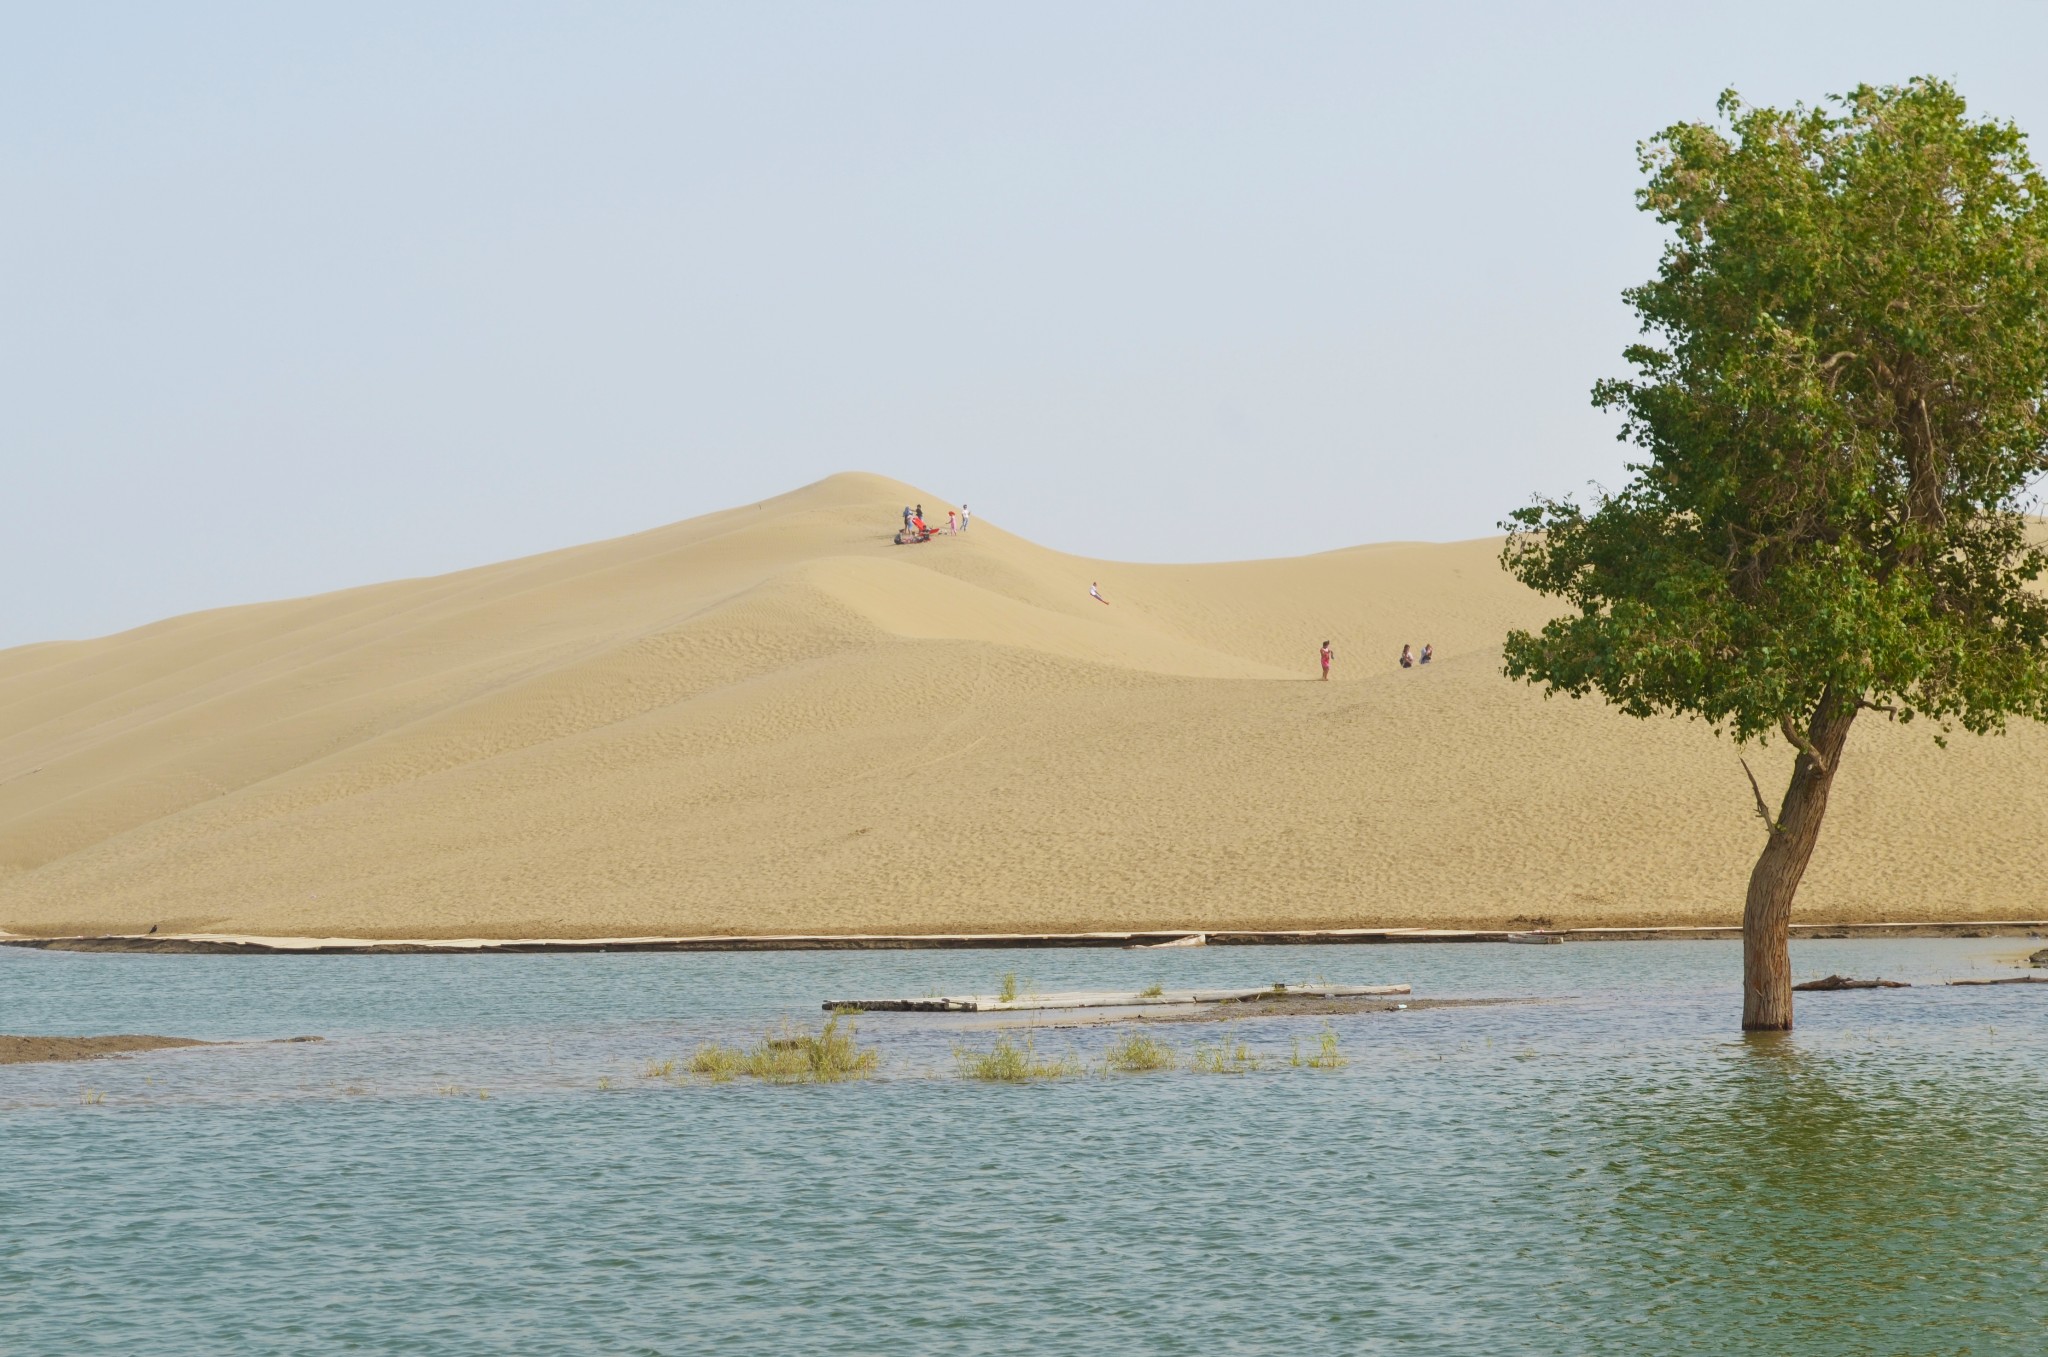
pixel 1096 594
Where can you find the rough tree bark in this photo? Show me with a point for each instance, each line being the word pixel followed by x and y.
pixel 1767 914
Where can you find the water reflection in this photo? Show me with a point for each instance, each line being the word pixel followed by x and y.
pixel 1822 1201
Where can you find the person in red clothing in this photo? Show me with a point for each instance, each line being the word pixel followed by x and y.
pixel 1327 653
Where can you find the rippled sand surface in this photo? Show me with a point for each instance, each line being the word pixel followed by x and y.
pixel 485 1157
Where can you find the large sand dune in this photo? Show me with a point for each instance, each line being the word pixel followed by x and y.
pixel 772 719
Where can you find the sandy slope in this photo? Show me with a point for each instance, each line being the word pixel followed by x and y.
pixel 772 719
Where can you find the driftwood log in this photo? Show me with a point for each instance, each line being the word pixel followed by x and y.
pixel 2007 980
pixel 1844 982
pixel 995 1003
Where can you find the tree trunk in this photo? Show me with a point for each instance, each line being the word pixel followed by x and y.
pixel 1767 915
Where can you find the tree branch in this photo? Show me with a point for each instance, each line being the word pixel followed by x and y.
pixel 1763 811
pixel 1933 470
pixel 1865 704
pixel 1802 744
pixel 1827 369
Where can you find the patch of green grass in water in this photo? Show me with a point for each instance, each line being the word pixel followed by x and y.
pixel 1009 1063
pixel 1327 1056
pixel 1223 1058
pixel 830 1056
pixel 1138 1054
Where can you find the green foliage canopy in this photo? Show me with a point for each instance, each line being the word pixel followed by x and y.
pixel 1841 401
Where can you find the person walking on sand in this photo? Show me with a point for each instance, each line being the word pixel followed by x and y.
pixel 1327 653
pixel 963 518
pixel 1095 593
pixel 952 523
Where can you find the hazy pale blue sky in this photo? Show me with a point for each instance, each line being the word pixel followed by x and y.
pixel 295 296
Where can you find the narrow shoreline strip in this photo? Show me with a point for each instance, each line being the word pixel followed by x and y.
pixel 221 944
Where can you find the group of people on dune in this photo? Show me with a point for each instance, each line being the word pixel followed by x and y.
pixel 1409 659
pixel 913 519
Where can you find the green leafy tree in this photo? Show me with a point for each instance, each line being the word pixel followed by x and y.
pixel 1841 401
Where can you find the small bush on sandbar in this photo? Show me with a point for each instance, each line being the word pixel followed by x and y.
pixel 1009 1063
pixel 1138 1054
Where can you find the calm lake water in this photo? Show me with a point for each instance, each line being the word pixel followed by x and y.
pixel 1612 1169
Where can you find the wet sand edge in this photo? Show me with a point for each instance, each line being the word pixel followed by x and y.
pixel 20 1050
